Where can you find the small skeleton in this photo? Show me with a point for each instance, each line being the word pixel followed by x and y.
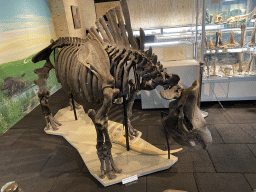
pixel 240 18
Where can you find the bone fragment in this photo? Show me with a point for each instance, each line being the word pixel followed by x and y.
pixel 102 32
pixel 218 19
pixel 232 42
pixel 214 67
pixel 112 21
pixel 241 42
pixel 96 34
pixel 252 42
pixel 105 27
pixel 142 40
pixel 121 140
pixel 249 64
pixel 211 44
pixel 128 23
pixel 240 67
pixel 122 27
pixel 233 69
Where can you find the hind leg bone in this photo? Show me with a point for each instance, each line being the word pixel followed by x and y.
pixel 44 95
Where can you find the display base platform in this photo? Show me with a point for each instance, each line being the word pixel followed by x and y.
pixel 81 134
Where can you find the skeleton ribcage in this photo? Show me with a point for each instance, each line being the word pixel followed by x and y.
pixel 75 77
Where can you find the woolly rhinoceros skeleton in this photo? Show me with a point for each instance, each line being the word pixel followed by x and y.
pixel 96 70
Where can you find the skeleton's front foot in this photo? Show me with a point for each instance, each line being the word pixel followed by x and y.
pixel 106 158
pixel 132 132
pixel 77 106
pixel 51 122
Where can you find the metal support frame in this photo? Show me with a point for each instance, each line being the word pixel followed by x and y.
pixel 126 124
pixel 73 104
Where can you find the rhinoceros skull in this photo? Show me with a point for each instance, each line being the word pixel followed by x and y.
pixel 184 121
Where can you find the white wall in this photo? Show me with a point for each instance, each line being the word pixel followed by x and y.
pixel 62 17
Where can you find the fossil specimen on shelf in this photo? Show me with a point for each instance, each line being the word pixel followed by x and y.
pixel 252 42
pixel 241 42
pixel 214 69
pixel 218 19
pixel 240 64
pixel 211 45
pixel 249 63
pixel 240 18
pixel 232 41
pixel 233 70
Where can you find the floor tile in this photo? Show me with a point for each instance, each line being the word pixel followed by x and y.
pixel 232 158
pixel 27 164
pixel 156 135
pixel 6 178
pixel 216 116
pixel 7 154
pixel 241 115
pixel 146 117
pixel 249 129
pixel 161 181
pixel 8 140
pixel 192 161
pixel 75 182
pixel 65 159
pixel 232 133
pixel 139 185
pixel 216 137
pixel 228 182
pixel 251 178
pixel 35 182
pixel 252 147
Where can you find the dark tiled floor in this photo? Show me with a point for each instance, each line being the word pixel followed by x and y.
pixel 41 162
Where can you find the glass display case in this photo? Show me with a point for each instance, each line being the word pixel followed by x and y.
pixel 175 37
pixel 229 50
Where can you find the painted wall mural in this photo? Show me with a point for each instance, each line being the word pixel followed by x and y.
pixel 25 28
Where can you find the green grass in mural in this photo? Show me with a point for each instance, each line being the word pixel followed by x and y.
pixel 14 108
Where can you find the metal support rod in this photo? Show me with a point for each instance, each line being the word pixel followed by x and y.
pixel 73 104
pixel 202 54
pixel 200 82
pixel 126 124
pixel 195 45
pixel 166 134
pixel 203 32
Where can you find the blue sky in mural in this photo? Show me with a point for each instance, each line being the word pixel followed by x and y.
pixel 25 28
pixel 22 13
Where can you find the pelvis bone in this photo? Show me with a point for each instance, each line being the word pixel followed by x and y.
pixel 185 122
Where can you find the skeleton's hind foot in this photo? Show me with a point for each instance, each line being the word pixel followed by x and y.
pixel 51 123
pixel 106 159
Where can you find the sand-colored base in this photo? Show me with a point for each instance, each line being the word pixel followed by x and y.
pixel 82 135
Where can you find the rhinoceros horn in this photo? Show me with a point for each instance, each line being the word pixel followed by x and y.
pixel 185 122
